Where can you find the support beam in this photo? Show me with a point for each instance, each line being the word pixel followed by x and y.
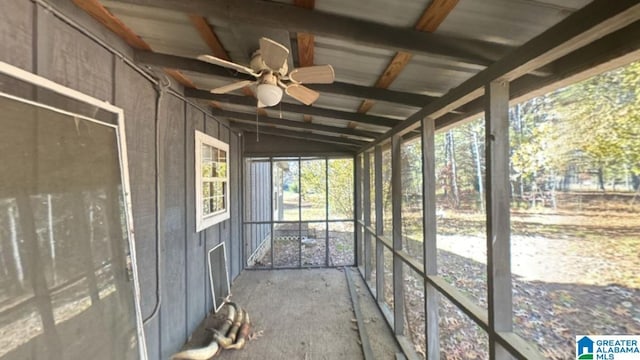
pixel 396 209
pixel 337 88
pixel 379 226
pixel 595 20
pixel 296 134
pixel 358 216
pixel 432 17
pixel 498 215
pixel 366 196
pixel 429 226
pixel 293 124
pixel 296 19
pixel 609 52
pixel 288 107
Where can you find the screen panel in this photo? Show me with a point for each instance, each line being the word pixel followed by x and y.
pixel 67 268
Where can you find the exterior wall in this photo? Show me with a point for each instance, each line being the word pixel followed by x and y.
pixel 36 40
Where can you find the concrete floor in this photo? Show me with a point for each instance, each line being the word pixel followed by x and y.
pixel 304 314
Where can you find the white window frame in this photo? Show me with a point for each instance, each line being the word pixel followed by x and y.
pixel 204 221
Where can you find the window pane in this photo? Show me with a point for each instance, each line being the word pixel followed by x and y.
pixel 285 172
pixel 206 153
pixel 205 207
pixel 461 223
pixel 575 215
pixel 257 240
pixel 414 309
pixel 341 243
pixel 460 337
pixel 341 189
pixel 313 185
pixel 411 163
pixel 286 244
pixel 314 244
pixel 207 170
pixel 387 214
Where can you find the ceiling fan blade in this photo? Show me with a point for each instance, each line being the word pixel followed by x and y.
pixel 273 54
pixel 302 93
pixel 228 64
pixel 233 86
pixel 321 74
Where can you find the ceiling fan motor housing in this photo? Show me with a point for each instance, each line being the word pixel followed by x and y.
pixel 258 65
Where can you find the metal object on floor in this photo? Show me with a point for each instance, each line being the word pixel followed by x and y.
pixel 235 339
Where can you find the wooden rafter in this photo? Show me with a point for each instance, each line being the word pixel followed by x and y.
pixel 431 18
pixel 111 22
pixel 209 36
pixel 435 14
pixel 295 19
pixel 306 43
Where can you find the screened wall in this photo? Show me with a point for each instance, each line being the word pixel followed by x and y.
pixel 299 212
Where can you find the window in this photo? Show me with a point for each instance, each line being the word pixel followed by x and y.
pixel 212 181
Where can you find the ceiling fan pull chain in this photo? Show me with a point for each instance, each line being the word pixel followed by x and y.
pixel 257 128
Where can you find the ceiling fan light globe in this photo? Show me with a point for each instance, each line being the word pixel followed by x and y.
pixel 268 94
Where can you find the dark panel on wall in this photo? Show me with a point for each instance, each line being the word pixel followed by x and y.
pixel 196 266
pixel 225 226
pixel 212 234
pixel 71 59
pixel 137 97
pixel 16 31
pixel 173 311
pixel 236 249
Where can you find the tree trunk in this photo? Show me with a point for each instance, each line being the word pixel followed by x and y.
pixel 454 175
pixel 601 178
pixel 478 169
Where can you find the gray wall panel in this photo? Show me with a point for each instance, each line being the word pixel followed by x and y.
pixel 196 266
pixel 173 311
pixel 137 97
pixel 16 32
pixel 68 57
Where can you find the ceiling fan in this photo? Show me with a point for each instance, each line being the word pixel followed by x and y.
pixel 269 67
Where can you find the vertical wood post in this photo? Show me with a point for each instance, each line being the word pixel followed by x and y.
pixel 396 208
pixel 366 195
pixel 432 297
pixel 379 225
pixel 498 222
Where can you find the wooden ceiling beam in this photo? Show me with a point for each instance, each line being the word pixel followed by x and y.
pixel 337 88
pixel 431 18
pixel 296 124
pixel 111 22
pixel 435 14
pixel 296 19
pixel 209 36
pixel 295 108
